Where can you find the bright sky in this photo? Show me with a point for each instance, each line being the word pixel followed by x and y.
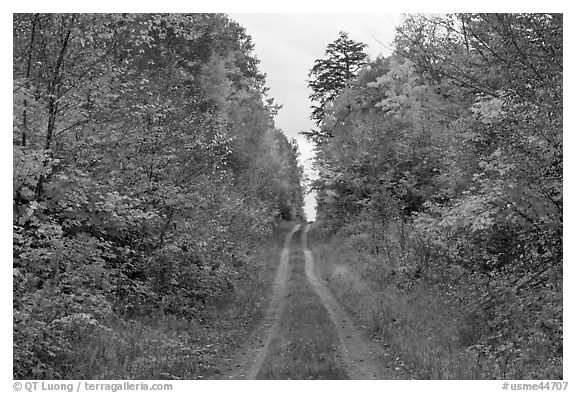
pixel 288 44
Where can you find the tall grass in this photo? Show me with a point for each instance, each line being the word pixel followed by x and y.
pixel 419 324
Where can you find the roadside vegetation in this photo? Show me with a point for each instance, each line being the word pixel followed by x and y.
pixel 165 347
pixel 412 319
pixel 147 177
pixel 440 198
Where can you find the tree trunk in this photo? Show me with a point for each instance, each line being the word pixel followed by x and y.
pixel 53 103
pixel 28 67
pixel 54 91
pixel 402 237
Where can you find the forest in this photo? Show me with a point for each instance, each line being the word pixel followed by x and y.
pixel 146 166
pixel 440 174
pixel 152 193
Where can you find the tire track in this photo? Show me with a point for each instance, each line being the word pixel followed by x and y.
pixel 250 362
pixel 360 357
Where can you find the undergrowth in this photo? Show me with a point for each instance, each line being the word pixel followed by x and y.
pixel 163 346
pixel 429 324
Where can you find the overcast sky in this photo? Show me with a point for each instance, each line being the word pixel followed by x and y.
pixel 288 44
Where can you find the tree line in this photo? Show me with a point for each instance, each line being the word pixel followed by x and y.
pixel 146 167
pixel 448 155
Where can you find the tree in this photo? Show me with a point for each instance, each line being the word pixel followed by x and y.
pixel 329 76
pixel 458 137
pixel 146 167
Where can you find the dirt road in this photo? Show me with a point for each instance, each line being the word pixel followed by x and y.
pixel 305 333
pixel 247 364
pixel 360 356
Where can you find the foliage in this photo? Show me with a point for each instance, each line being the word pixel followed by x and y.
pixel 146 168
pixel 457 138
pixel 330 76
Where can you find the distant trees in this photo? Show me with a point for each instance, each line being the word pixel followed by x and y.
pixel 146 165
pixel 331 75
pixel 457 138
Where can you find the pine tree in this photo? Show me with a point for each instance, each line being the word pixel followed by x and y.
pixel 329 76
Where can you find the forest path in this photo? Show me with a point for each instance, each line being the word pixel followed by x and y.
pixel 247 363
pixel 305 333
pixel 363 359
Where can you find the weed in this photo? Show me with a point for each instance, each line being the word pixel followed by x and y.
pixel 417 324
pixel 169 347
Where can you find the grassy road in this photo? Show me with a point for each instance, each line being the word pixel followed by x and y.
pixel 305 333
